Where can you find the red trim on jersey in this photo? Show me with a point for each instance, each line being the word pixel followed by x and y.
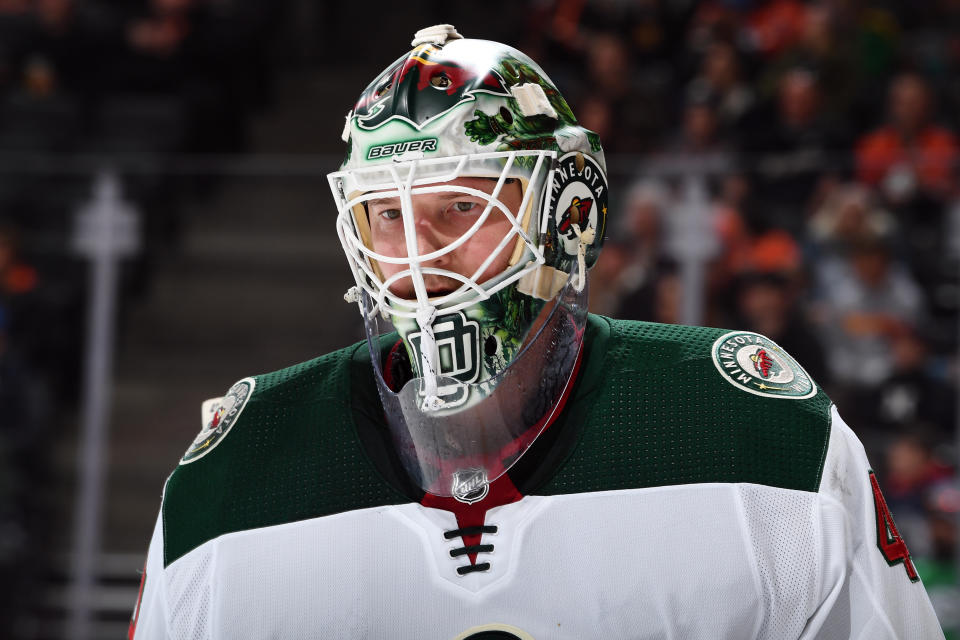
pixel 388 366
pixel 502 491
pixel 132 629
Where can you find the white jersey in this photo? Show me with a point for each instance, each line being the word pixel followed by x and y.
pixel 695 560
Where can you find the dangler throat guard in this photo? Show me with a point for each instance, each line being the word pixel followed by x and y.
pixel 496 395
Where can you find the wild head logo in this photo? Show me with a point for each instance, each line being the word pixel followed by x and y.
pixel 421 86
pixel 577 213
pixel 764 364
pixel 578 201
pixel 756 364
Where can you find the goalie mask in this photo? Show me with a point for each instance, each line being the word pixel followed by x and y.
pixel 470 206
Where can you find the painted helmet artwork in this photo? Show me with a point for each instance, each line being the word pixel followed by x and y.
pixel 470 205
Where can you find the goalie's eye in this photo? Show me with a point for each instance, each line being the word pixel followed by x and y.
pixel 464 206
pixel 389 214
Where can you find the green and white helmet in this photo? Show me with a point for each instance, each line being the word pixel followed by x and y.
pixel 488 359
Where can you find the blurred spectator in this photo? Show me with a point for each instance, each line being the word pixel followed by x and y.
pixel 792 145
pixel 642 225
pixel 609 65
pixel 912 471
pixel 667 306
pixel 206 55
pixel 596 114
pixel 641 248
pixel 849 212
pixel 775 25
pixel 869 299
pixel 606 278
pixel 767 301
pixel 732 230
pixel 658 299
pixel 876 31
pixel 695 149
pixel 713 21
pixel 910 156
pixel 937 567
pixel 17 278
pixel 41 317
pixel 822 49
pixel 62 47
pixel 914 393
pixel 766 304
pixel 164 30
pixel 721 76
pixel 699 137
pixel 615 95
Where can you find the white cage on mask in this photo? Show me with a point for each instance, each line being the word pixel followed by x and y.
pixel 406 178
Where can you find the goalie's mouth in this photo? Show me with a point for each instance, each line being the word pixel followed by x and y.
pixel 436 287
pixel 438 292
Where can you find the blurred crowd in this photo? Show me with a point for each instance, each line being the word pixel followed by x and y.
pixel 797 162
pixel 95 79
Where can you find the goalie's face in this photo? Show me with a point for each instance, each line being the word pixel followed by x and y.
pixel 439 219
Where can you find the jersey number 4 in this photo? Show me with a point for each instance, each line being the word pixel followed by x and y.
pixel 891 545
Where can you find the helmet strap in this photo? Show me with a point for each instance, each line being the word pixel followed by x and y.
pixel 428 358
pixel 586 238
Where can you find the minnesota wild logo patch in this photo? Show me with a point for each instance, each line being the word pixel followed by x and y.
pixel 756 364
pixel 231 405
pixel 578 197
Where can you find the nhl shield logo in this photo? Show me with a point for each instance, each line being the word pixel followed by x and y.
pixel 470 485
pixel 756 364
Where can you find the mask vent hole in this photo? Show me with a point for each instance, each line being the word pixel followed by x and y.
pixel 490 346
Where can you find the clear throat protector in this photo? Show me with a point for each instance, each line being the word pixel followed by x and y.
pixel 453 437
pixel 453 253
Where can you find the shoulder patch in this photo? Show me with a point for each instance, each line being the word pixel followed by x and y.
pixel 217 427
pixel 755 364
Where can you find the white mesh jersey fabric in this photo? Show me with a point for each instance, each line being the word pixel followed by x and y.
pixel 189 588
pixel 688 562
pixel 667 562
pixel 783 533
pixel 863 596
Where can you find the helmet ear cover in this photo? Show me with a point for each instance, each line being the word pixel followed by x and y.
pixel 578 203
pixel 573 225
